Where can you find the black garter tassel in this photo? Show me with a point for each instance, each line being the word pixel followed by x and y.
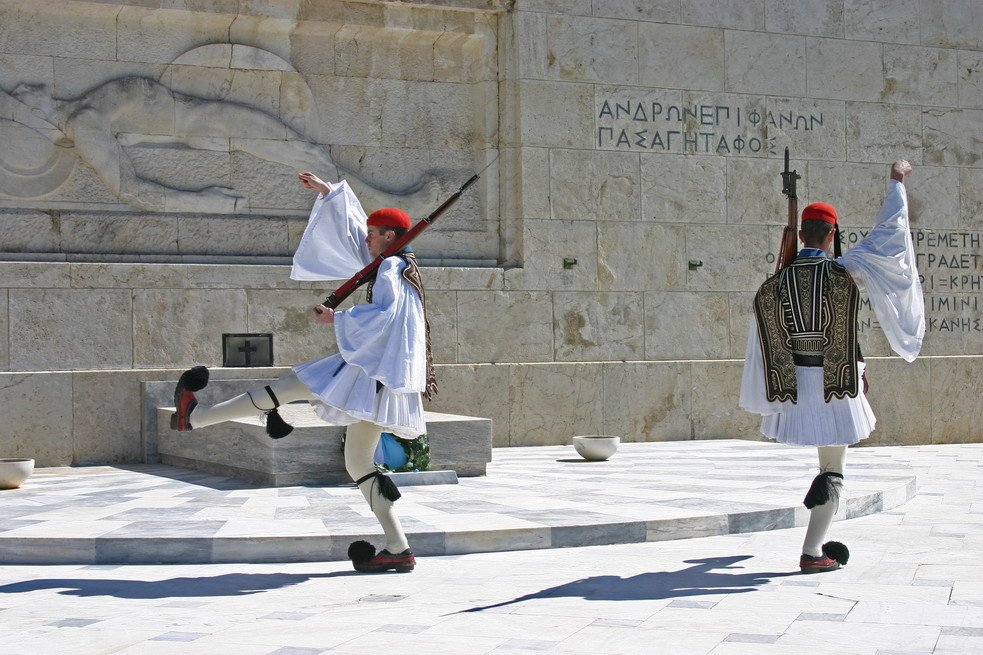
pixel 361 551
pixel 276 427
pixel 822 489
pixel 387 487
pixel 836 551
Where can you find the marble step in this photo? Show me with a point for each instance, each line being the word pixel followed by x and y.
pixel 312 454
pixel 536 497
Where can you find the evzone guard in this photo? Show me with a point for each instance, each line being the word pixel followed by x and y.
pixel 376 381
pixel 803 370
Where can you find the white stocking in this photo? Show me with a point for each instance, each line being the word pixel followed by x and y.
pixel 361 440
pixel 287 389
pixel 831 459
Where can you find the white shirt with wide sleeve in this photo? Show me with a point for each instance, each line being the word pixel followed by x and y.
pixel 883 264
pixel 333 244
pixel 386 338
pixel 379 342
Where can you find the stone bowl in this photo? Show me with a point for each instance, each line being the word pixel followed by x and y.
pixel 14 471
pixel 596 447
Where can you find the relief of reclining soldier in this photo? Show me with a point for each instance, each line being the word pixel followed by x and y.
pixel 102 122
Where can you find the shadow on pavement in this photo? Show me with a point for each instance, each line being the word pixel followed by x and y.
pixel 230 584
pixel 697 580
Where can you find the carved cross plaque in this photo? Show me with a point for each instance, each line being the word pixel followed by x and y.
pixel 247 349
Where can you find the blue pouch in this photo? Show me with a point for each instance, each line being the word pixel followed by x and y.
pixel 390 452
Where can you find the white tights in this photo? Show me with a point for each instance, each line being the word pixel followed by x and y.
pixel 831 459
pixel 287 389
pixel 361 440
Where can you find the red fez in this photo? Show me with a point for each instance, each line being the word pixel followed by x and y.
pixel 820 211
pixel 390 217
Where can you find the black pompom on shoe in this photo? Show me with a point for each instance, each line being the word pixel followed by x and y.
pixel 836 551
pixel 360 552
pixel 194 379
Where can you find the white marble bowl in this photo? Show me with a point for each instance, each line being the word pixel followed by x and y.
pixel 596 447
pixel 14 471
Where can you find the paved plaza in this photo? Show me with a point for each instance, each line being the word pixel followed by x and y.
pixel 914 583
pixel 542 497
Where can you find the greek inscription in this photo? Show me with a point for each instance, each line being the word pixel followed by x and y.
pixel 958 324
pixel 941 260
pixel 932 239
pixel 950 266
pixel 679 141
pixel 953 303
pixel 707 128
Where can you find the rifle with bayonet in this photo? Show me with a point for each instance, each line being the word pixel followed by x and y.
pixel 790 238
pixel 364 275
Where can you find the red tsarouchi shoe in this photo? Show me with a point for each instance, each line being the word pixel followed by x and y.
pixel 192 380
pixel 810 564
pixel 403 562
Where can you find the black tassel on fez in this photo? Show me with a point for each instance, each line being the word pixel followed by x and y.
pixel 822 490
pixel 836 551
pixel 361 551
pixel 276 427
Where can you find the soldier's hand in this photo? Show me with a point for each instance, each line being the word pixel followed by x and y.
pixel 900 170
pixel 314 183
pixel 323 315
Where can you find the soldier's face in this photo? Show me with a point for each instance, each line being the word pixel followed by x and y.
pixel 378 239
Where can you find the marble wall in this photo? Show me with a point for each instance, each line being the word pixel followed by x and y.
pixel 173 132
pixel 599 277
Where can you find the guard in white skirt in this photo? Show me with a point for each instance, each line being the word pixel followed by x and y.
pixel 375 382
pixel 803 371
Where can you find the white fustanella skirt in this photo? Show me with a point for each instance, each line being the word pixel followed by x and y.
pixel 344 394
pixel 811 421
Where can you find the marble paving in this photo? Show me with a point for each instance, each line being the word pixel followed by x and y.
pixel 912 586
pixel 532 498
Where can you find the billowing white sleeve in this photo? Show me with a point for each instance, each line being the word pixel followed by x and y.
pixel 387 338
pixel 333 245
pixel 883 264
pixel 754 396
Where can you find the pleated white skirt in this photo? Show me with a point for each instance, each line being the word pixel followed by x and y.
pixel 344 395
pixel 813 422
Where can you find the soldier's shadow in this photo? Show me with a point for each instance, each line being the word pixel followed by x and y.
pixel 700 579
pixel 230 584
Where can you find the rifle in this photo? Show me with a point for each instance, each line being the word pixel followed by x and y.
pixel 788 248
pixel 364 275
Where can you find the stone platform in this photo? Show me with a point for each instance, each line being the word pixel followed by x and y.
pixel 541 497
pixel 312 454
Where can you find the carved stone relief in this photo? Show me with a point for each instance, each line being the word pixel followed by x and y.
pixel 209 100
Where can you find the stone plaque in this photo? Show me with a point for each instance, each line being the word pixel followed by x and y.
pixel 247 349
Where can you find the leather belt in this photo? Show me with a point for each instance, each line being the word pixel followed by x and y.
pixel 807 360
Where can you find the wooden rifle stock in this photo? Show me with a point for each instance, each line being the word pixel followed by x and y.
pixel 365 274
pixel 788 248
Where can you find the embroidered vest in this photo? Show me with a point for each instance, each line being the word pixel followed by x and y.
pixel 412 275
pixel 807 312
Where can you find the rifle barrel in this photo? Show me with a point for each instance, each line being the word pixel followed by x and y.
pixel 348 288
pixel 787 248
